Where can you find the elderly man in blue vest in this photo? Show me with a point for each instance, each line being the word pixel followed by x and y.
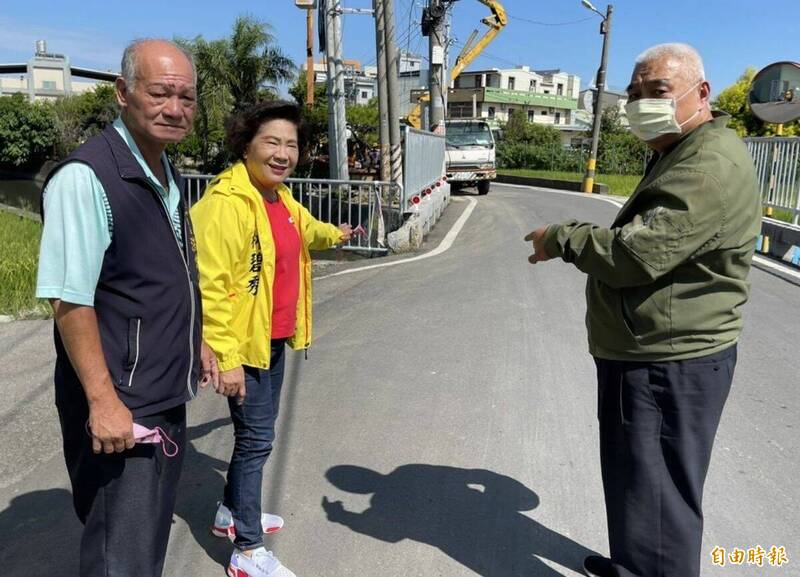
pixel 117 263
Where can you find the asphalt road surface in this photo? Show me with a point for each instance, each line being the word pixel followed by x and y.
pixel 444 424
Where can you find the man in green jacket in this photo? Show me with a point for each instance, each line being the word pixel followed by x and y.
pixel 665 286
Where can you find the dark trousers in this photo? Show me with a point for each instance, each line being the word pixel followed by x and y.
pixel 254 432
pixel 657 428
pixel 124 500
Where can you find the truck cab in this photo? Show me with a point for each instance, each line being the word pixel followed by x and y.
pixel 470 153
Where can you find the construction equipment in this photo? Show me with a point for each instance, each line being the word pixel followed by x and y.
pixel 495 22
pixel 470 154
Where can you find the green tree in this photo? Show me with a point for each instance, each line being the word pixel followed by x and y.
pixel 618 151
pixel 530 145
pixel 206 143
pixel 611 122
pixel 232 73
pixel 515 130
pixel 253 61
pixel 362 119
pixel 733 100
pixel 28 131
pixel 519 129
pixel 84 115
pixel 316 118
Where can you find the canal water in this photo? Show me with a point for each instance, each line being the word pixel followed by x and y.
pixel 22 190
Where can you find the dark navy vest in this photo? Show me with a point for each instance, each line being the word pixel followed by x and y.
pixel 147 299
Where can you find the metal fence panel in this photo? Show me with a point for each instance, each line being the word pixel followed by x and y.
pixel 777 162
pixel 374 205
pixel 423 161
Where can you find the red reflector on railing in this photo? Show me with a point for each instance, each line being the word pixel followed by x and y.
pixel 415 199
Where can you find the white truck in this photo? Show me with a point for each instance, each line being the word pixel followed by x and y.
pixel 469 153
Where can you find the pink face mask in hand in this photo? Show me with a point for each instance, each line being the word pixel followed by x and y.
pixel 144 435
pixel 157 435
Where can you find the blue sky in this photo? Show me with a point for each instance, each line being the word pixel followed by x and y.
pixel 730 35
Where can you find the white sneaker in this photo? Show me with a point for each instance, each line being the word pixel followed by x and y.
pixel 223 523
pixel 262 564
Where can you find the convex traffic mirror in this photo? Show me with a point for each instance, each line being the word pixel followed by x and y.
pixel 775 93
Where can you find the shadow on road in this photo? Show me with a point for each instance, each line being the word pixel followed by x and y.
pixel 41 534
pixel 472 515
pixel 201 486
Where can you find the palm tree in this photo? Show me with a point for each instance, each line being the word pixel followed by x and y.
pixel 214 100
pixel 233 73
pixel 253 61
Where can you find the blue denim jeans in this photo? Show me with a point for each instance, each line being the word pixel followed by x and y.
pixel 254 432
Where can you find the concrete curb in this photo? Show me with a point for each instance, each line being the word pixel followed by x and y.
pixel 20 212
pixel 409 237
pixel 780 240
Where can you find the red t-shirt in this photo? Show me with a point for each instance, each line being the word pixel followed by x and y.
pixel 286 286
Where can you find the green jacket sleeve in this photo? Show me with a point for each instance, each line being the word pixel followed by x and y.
pixel 684 216
pixel 220 236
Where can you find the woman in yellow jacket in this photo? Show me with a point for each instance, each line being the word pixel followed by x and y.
pixel 253 242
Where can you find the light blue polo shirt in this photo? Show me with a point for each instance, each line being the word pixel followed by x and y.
pixel 78 225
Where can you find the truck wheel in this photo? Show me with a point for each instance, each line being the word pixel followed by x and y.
pixel 483 187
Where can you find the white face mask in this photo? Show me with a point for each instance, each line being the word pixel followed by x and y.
pixel 649 118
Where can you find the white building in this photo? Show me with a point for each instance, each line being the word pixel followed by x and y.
pixel 360 83
pixel 543 96
pixel 360 89
pixel 47 76
pixel 409 64
pixel 611 99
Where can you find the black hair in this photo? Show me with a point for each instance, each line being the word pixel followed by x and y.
pixel 242 127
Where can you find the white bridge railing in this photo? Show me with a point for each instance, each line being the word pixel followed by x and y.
pixel 777 163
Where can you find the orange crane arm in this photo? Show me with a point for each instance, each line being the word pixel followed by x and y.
pixel 495 22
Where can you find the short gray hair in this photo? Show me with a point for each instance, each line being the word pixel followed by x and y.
pixel 128 72
pixel 690 65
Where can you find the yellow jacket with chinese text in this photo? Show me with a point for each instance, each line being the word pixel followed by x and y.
pixel 236 260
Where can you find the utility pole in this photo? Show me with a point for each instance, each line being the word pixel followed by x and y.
pixel 383 90
pixel 600 82
pixel 433 26
pixel 337 119
pixel 310 72
pixel 445 69
pixel 392 66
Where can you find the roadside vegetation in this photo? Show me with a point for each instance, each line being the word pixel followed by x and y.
pixel 536 150
pixel 19 257
pixel 618 184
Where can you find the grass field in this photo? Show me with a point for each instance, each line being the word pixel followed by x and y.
pixel 19 256
pixel 618 184
pixel 783 215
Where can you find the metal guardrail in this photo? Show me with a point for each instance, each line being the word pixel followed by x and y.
pixel 195 186
pixel 371 204
pixel 423 162
pixel 777 162
pixel 374 205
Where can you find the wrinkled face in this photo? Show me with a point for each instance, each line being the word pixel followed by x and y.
pixel 161 106
pixel 273 152
pixel 663 78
